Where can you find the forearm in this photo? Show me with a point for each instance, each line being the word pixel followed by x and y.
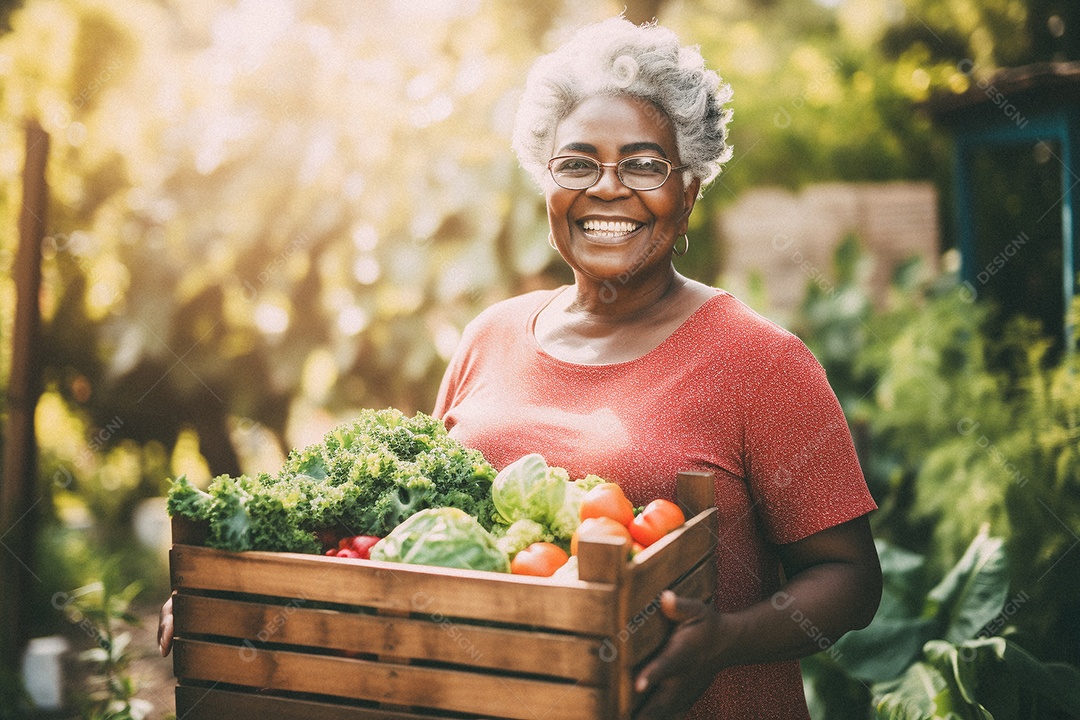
pixel 808 614
pixel 834 586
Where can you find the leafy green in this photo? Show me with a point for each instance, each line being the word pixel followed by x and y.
pixel 525 490
pixel 967 598
pixel 529 489
pixel 364 478
pixel 935 660
pixel 445 537
pixel 520 535
pixel 980 679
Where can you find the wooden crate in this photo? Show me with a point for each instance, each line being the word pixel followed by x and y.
pixel 288 636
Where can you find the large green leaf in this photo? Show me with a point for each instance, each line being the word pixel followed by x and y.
pixel 979 680
pixel 884 648
pixel 973 592
pixel 922 693
pixel 893 640
pixel 1050 684
pixel 901 571
pixel 961 665
pixel 831 693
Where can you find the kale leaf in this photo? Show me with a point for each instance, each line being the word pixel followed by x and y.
pixel 364 478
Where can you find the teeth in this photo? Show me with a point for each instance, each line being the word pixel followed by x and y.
pixel 618 227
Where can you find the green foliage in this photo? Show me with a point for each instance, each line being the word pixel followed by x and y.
pixel 980 679
pixel 958 427
pixel 938 660
pixel 364 478
pixel 966 599
pixel 975 429
pixel 103 611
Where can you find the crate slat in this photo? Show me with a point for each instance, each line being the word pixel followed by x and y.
pixel 438 639
pixel 198 703
pixel 695 491
pixel 651 630
pixel 459 691
pixel 677 554
pixel 475 595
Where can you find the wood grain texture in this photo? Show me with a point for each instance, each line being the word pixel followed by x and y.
pixel 676 555
pixel 695 491
pixel 579 607
pixel 197 703
pixel 406 633
pixel 459 691
pixel 649 629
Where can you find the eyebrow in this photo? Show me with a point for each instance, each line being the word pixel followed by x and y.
pixel 624 150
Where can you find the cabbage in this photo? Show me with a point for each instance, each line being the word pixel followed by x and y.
pixel 525 490
pixel 568 515
pixel 446 537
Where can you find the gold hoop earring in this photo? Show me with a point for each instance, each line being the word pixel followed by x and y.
pixel 551 242
pixel 686 247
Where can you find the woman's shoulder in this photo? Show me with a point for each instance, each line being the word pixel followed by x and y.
pixel 729 319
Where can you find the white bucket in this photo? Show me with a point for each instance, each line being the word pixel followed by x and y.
pixel 43 671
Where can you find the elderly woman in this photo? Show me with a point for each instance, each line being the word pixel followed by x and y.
pixel 635 372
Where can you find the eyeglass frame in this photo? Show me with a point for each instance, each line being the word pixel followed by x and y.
pixel 672 168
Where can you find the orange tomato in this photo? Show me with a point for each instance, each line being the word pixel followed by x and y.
pixel 541 559
pixel 607 500
pixel 657 519
pixel 597 527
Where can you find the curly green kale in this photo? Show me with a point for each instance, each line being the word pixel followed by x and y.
pixel 364 478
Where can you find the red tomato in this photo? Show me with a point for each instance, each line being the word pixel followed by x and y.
pixel 657 519
pixel 358 544
pixel 363 544
pixel 540 558
pixel 607 500
pixel 595 527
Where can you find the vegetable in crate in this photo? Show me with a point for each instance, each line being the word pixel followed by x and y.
pixel 528 489
pixel 446 537
pixel 520 535
pixel 654 522
pixel 541 559
pixel 364 478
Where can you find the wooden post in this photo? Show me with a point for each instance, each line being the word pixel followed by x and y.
pixel 18 475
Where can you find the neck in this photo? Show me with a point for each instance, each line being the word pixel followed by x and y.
pixel 615 301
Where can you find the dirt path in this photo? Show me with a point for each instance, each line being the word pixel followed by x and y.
pixel 152 673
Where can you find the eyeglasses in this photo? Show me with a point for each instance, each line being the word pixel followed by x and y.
pixel 577 172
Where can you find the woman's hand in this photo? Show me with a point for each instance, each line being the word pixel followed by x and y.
pixel 685 668
pixel 834 585
pixel 165 628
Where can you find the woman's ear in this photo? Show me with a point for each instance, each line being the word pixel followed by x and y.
pixel 690 195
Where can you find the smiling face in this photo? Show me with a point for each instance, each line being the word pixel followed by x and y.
pixel 610 231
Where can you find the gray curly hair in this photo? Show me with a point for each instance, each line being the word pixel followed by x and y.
pixel 616 57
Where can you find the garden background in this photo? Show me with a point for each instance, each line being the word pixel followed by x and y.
pixel 264 215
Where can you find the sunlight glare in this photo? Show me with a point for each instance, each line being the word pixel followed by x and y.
pixel 271 319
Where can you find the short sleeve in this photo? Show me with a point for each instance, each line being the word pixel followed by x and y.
pixel 452 378
pixel 800 460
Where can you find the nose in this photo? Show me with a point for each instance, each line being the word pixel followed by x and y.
pixel 608 186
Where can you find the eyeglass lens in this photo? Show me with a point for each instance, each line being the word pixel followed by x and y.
pixel 637 173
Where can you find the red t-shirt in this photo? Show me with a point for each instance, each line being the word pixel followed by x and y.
pixel 727 392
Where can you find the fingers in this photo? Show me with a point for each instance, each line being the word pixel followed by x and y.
pixel 680 609
pixel 675 657
pixel 165 628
